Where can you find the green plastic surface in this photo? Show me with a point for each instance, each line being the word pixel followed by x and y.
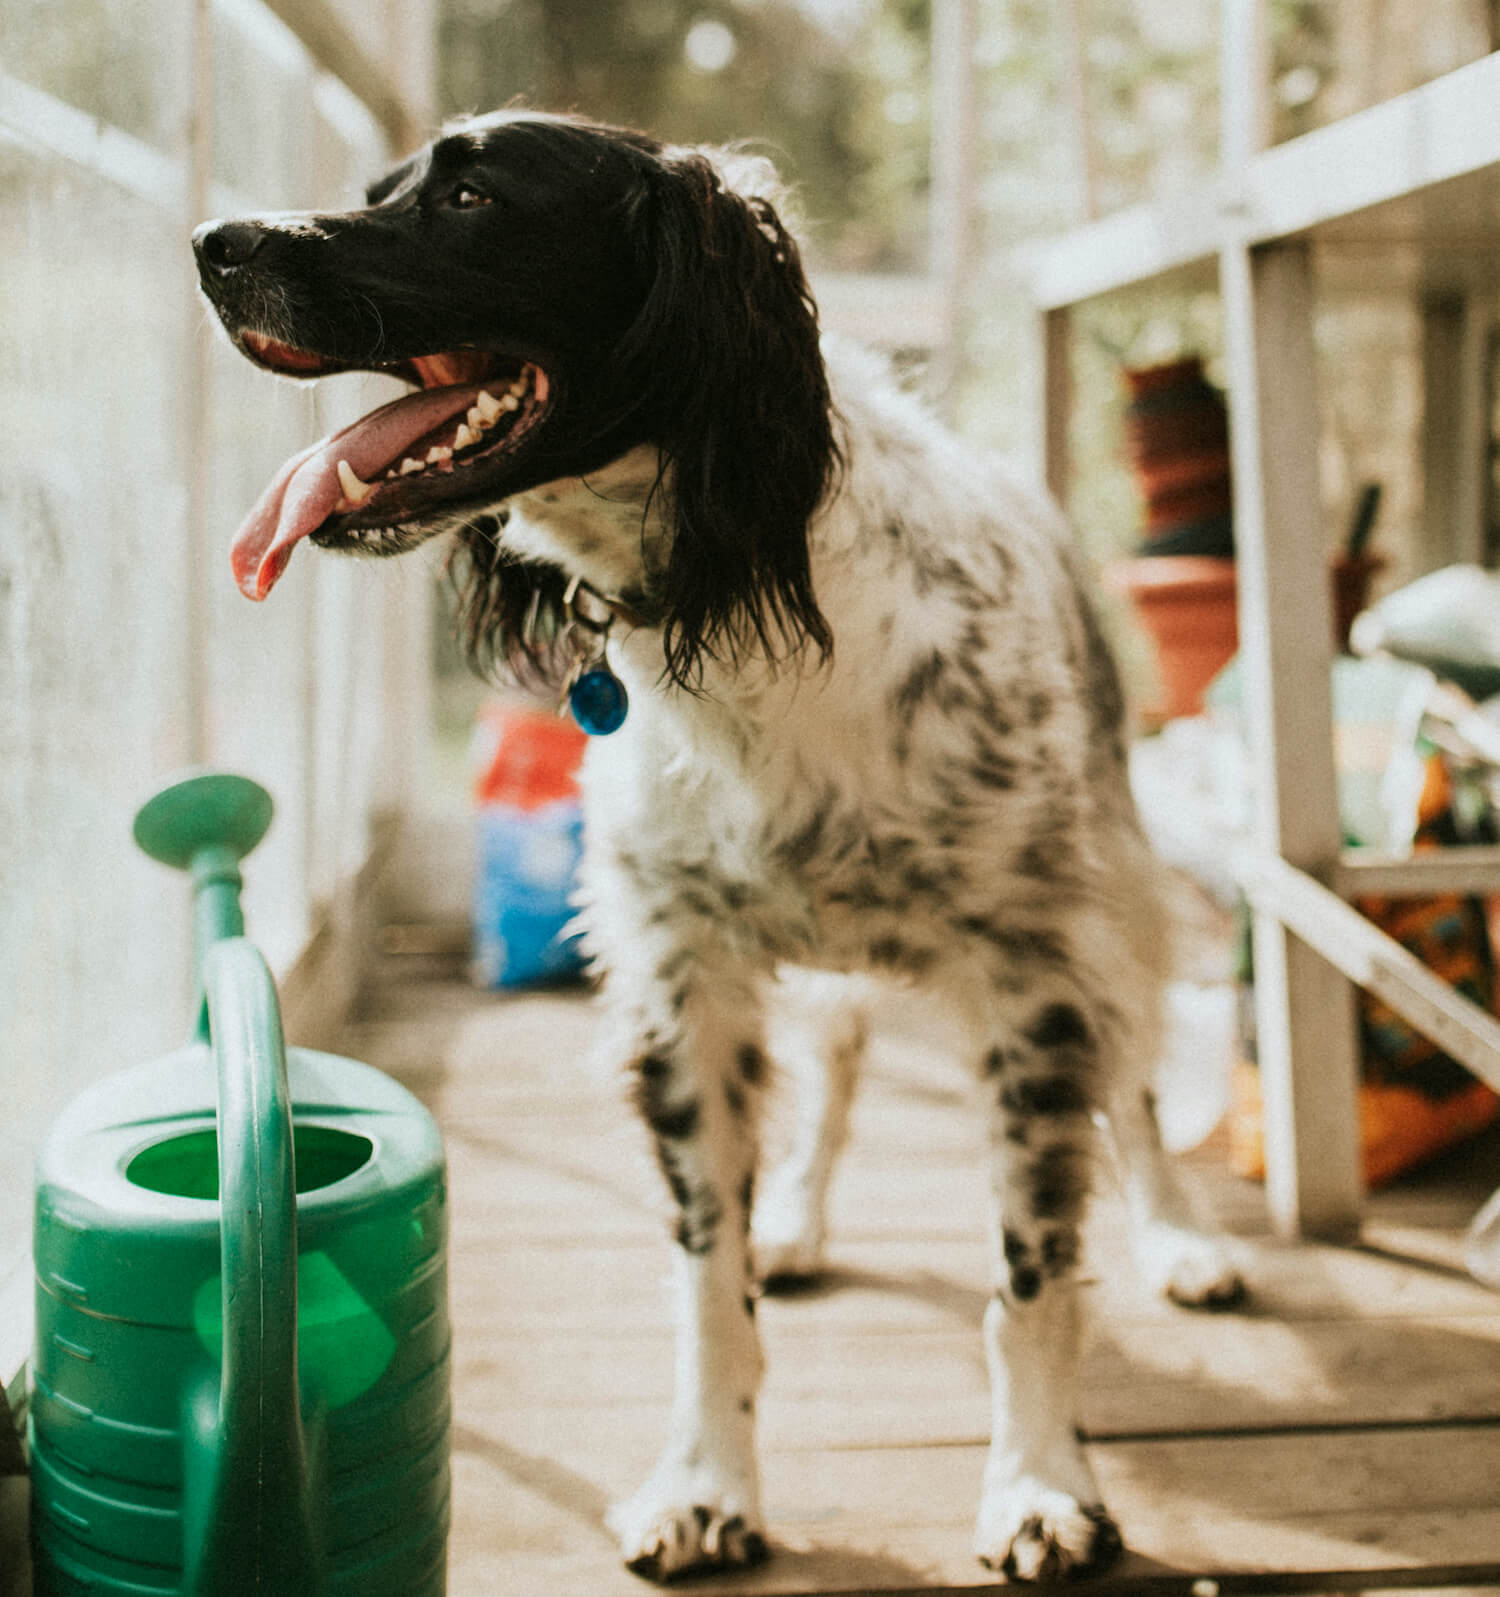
pixel 240 1378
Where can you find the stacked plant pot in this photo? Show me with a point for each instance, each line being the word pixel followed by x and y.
pixel 1181 580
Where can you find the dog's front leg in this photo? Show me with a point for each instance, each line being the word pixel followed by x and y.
pixel 698 1081
pixel 1040 1517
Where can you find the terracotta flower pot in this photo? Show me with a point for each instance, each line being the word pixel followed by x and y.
pixel 1186 603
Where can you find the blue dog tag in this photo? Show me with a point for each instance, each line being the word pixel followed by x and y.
pixel 598 701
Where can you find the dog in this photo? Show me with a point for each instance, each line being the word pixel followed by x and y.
pixel 872 730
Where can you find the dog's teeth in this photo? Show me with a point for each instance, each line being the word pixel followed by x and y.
pixel 464 436
pixel 476 419
pixel 355 491
pixel 408 466
pixel 437 453
pixel 519 386
pixel 487 405
pixel 510 402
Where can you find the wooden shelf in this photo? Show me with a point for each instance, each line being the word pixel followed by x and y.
pixel 1411 186
pixel 1443 870
pixel 1402 197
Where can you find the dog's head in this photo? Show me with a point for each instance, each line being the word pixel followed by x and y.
pixel 557 293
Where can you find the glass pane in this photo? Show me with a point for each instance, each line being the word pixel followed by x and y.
pixel 93 597
pixel 123 61
pixel 834 90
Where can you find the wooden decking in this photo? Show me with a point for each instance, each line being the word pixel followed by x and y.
pixel 1341 1433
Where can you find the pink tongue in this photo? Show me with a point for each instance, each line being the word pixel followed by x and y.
pixel 304 493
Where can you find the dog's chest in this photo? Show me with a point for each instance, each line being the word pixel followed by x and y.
pixel 821 849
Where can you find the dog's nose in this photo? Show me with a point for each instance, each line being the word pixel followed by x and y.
pixel 222 246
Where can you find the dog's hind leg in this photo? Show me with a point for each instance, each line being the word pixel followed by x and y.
pixel 818 1043
pixel 1178 1250
pixel 1040 1516
pixel 698 1078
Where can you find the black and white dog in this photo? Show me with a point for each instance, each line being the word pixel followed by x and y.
pixel 873 728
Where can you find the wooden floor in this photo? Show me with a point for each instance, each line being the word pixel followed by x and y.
pixel 1341 1433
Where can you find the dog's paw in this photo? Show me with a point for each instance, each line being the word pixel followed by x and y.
pixel 1033 1532
pixel 661 1540
pixel 1196 1270
pixel 786 1245
pixel 788 1263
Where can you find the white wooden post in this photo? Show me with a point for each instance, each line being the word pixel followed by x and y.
pixel 1455 426
pixel 1304 1009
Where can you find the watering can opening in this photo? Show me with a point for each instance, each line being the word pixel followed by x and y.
pixel 187 1165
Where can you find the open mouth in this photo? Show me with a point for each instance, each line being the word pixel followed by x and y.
pixel 422 454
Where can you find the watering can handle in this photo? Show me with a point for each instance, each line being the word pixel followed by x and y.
pixel 253 1528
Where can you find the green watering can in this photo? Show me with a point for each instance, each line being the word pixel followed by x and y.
pixel 240 1381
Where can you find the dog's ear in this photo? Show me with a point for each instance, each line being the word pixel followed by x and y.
pixel 726 345
pixel 508 611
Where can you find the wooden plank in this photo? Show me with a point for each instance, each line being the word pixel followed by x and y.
pixel 1432 134
pixel 1330 182
pixel 1375 961
pixel 1057 401
pixel 1439 870
pixel 847 1387
pixel 901 1518
pixel 1255 1374
pixel 1125 248
pixel 1455 427
pixel 801 1569
pixel 328 40
pixel 612 1283
pixel 1305 1023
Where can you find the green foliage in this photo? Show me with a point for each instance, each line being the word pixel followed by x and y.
pixel 836 94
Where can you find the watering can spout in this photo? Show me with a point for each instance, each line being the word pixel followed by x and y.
pixel 248 1523
pixel 205 824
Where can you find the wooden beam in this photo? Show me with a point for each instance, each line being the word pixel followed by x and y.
pixel 1306 1036
pixel 1455 427
pixel 328 40
pixel 1057 401
pixel 1378 963
pixel 1439 870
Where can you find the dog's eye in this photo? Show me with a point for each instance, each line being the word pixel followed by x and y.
pixel 465 198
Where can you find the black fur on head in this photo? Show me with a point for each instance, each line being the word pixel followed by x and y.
pixel 720 368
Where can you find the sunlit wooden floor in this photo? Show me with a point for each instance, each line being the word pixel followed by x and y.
pixel 1341 1433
